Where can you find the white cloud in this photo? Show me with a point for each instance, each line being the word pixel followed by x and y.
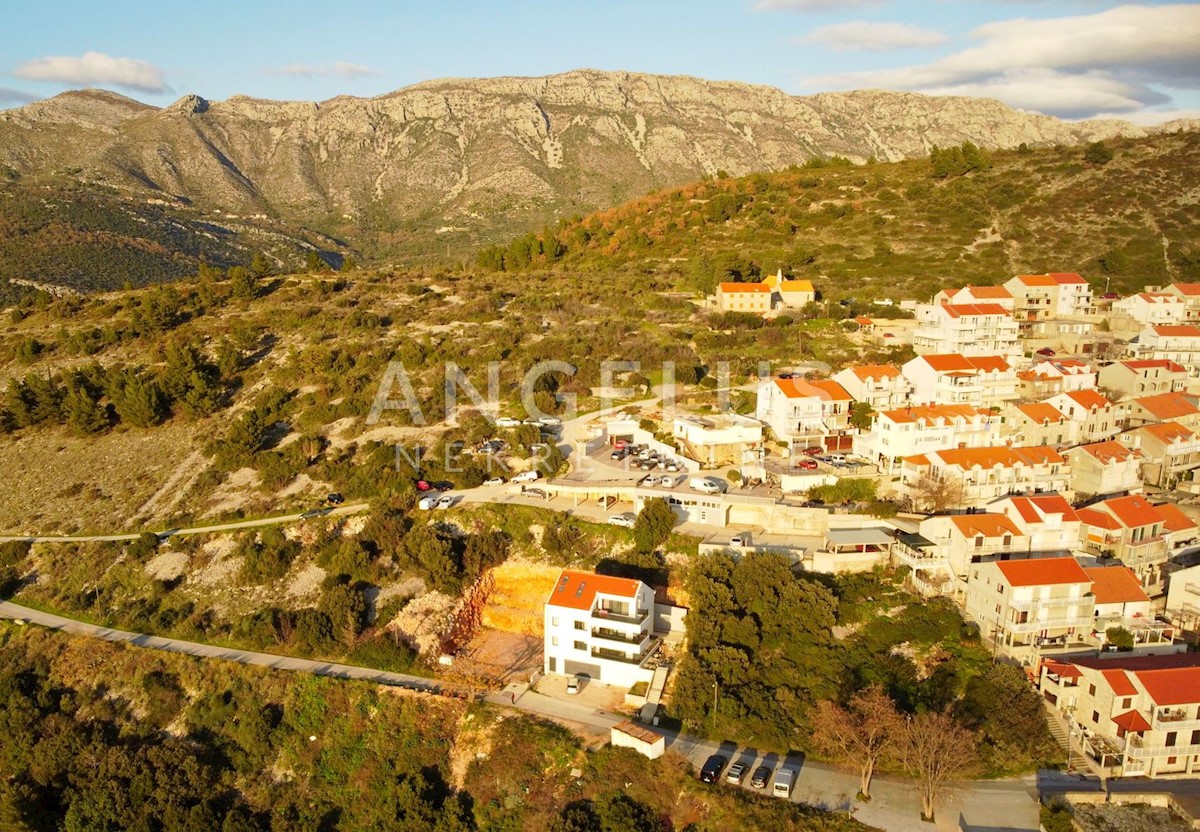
pixel 812 5
pixel 873 37
pixel 338 69
pixel 1110 61
pixel 14 98
pixel 95 68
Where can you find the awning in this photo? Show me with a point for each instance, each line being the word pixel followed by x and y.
pixel 1132 721
pixel 915 541
pixel 1066 671
pixel 858 537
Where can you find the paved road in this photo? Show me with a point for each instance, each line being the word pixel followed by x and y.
pixel 210 651
pixel 352 508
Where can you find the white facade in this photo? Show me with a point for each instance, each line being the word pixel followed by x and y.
pixel 980 381
pixel 1104 468
pixel 1025 602
pixel 1098 418
pixel 1152 308
pixel 982 475
pixel 903 432
pixel 1039 297
pixel 805 413
pixel 1179 343
pixel 718 439
pixel 882 386
pixel 966 329
pixel 1139 378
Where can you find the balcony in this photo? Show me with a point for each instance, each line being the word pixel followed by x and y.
pixel 614 635
pixel 1175 719
pixel 1138 749
pixel 616 656
pixel 602 614
pixel 1052 602
pixel 1078 622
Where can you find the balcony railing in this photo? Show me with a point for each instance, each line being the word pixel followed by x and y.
pixel 616 656
pixel 602 614
pixel 624 638
pixel 1049 624
pixel 1044 603
pixel 1137 748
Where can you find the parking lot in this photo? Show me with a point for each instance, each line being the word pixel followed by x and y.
pixel 751 760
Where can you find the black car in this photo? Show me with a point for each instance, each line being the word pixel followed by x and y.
pixel 713 767
pixel 335 499
pixel 762 776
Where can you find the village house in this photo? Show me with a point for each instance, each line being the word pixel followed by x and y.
pixel 966 329
pixel 1047 522
pixel 976 294
pixel 1019 604
pixel 1152 308
pixel 1190 293
pixel 1130 529
pixel 718 439
pixel 1179 530
pixel 1097 417
pixel 902 432
pixel 1179 343
pixel 1183 598
pixel 1120 599
pixel 946 545
pixel 1136 378
pixel 881 386
pixel 600 626
pixel 1103 468
pixel 974 477
pixel 1040 297
pixel 756 298
pixel 1049 378
pixel 980 381
pixel 1169 452
pixel 1136 716
pixel 1039 423
pixel 806 413
pixel 1164 407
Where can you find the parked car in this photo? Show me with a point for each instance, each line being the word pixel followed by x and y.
pixel 536 493
pixel 784 780
pixel 648 464
pixel 527 476
pixel 836 459
pixel 1046 351
pixel 814 450
pixel 650 480
pixel 786 376
pixel 607 501
pixel 673 465
pixel 423 486
pixel 740 540
pixel 625 520
pixel 335 499
pixel 807 464
pixel 573 685
pixel 427 503
pixel 447 501
pixel 494 481
pixel 618 454
pixel 671 480
pixel 762 776
pixel 735 774
pixel 706 485
pixel 713 766
pixel 550 421
pixel 508 422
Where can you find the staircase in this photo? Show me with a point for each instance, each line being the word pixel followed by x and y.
pixel 654 694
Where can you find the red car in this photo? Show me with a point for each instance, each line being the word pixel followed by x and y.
pixel 815 450
pixel 809 464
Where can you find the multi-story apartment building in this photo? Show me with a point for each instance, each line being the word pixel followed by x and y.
pixel 600 626
pixel 1039 297
pixel 940 555
pixel 1179 343
pixel 1039 424
pixel 718 439
pixel 1102 468
pixel 1048 523
pixel 1137 378
pixel 976 294
pixel 882 386
pixel 1049 378
pixel 756 298
pixel 895 434
pixel 1190 293
pixel 1169 452
pixel 1163 407
pixel 1136 716
pixel 1038 601
pixel 1152 308
pixel 981 381
pixel 1098 418
pixel 966 329
pixel 806 413
pixel 1130 529
pixel 974 477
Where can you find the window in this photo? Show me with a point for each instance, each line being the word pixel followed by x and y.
pixel 554 621
pixel 1096 717
pixel 1126 703
pixel 1170 738
pixel 554 641
pixel 579 625
pixel 580 645
pixel 1091 690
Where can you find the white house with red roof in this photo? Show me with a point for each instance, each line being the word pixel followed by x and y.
pixel 979 380
pixel 976 294
pixel 806 413
pixel 1169 452
pixel 1039 423
pixel 1097 417
pixel 1163 407
pixel 945 546
pixel 1152 308
pixel 977 476
pixel 600 626
pixel 906 431
pixel 1177 342
pixel 755 298
pixel 1183 598
pixel 1040 297
pixel 1049 378
pixel 1107 467
pixel 965 328
pixel 1119 596
pixel 1047 522
pixel 1138 378
pixel 1021 603
pixel 1190 293
pixel 1135 716
pixel 882 386
pixel 1131 529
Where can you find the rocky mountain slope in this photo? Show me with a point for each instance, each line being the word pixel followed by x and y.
pixel 469 161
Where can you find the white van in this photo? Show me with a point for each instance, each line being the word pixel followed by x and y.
pixel 527 476
pixel 707 485
pixel 784 780
pixel 427 503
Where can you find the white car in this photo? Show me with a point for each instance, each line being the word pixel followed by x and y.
pixel 508 422
pixel 527 476
pixel 494 481
pixel 447 501
pixel 784 780
pixel 550 421
pixel 573 685
pixel 625 520
pixel 427 503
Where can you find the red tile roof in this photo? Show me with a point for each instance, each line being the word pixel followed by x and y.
pixel 997 455
pixel 823 389
pixel 1174 520
pixel 946 362
pixel 1088 399
pixel 1171 686
pixel 1064 669
pixel 988 525
pixel 959 310
pixel 989 363
pixel 1167 405
pixel 1042 571
pixel 1130 720
pixel 1177 330
pixel 1187 288
pixel 1119 682
pixel 1133 511
pixel 1041 412
pixel 1154 364
pixel 988 292
pixel 930 413
pixel 1167 432
pixel 1037 280
pixel 745 287
pixel 1065 278
pixel 1099 519
pixel 869 371
pixel 1034 509
pixel 577 590
pixel 1106 452
pixel 1115 585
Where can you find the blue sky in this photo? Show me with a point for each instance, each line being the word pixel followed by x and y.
pixel 1072 58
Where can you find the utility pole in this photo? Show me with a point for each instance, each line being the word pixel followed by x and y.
pixel 716 687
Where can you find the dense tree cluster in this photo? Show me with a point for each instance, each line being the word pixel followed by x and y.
pixel 947 163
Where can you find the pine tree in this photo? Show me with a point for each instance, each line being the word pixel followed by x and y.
pixel 83 410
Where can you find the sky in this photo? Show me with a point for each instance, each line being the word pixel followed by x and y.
pixel 1071 58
